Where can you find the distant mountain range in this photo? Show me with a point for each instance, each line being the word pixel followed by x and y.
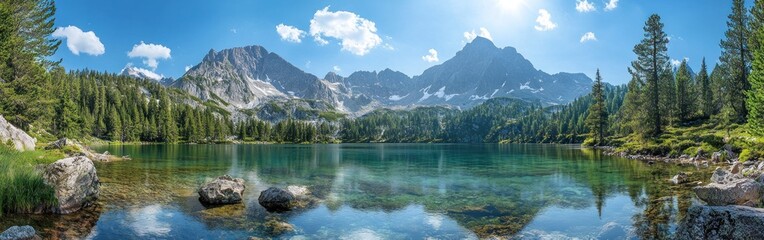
pixel 249 77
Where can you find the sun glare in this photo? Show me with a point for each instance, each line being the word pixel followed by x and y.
pixel 512 5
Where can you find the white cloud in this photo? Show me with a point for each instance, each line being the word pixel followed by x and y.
pixel 234 31
pixel 585 6
pixel 545 21
pixel 188 68
pixel 290 33
pixel 336 69
pixel 432 57
pixel 80 42
pixel 611 5
pixel 589 36
pixel 469 36
pixel 357 35
pixel 150 53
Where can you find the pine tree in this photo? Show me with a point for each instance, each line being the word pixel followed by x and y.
pixel 66 121
pixel 667 97
pixel 737 58
pixel 114 126
pixel 684 96
pixel 652 60
pixel 25 44
pixel 756 22
pixel 706 97
pixel 755 101
pixel 596 121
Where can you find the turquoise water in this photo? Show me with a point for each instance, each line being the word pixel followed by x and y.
pixel 381 191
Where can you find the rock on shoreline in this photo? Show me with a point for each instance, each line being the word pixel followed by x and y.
pixel 75 182
pixel 722 222
pixel 19 139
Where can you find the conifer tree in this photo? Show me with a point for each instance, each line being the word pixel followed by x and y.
pixel 596 121
pixel 736 57
pixel 684 96
pixel 755 101
pixel 651 62
pixel 705 98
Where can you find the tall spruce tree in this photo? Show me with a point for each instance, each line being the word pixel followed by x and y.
pixel 706 97
pixel 652 59
pixel 25 44
pixel 737 58
pixel 755 101
pixel 596 121
pixel 685 99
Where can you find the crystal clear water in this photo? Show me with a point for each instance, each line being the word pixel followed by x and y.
pixel 379 191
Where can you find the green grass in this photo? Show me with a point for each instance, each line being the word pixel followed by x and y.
pixel 709 137
pixel 22 188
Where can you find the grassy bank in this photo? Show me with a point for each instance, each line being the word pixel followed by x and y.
pixel 22 188
pixel 687 140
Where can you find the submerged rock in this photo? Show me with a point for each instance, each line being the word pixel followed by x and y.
pixel 276 199
pixel 721 222
pixel 739 192
pixel 613 230
pixel 680 178
pixel 19 233
pixel 75 182
pixel 222 190
pixel 19 139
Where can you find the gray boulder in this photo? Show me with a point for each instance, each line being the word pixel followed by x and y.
pixel 276 199
pixel 721 222
pixel 722 176
pixel 61 144
pixel 17 138
pixel 222 190
pixel 738 192
pixel 75 182
pixel 19 233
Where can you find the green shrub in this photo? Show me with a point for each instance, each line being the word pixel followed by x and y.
pixel 22 188
pixel 745 155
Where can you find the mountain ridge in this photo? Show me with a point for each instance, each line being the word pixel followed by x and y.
pixel 249 76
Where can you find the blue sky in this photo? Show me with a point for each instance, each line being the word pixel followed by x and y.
pixel 177 34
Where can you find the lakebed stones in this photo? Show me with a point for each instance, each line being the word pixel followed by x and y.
pixel 75 183
pixel 276 199
pixel 746 192
pixel 15 137
pixel 722 222
pixel 19 233
pixel 680 178
pixel 222 190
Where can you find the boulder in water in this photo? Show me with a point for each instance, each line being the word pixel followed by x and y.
pixel 75 182
pixel 222 190
pixel 276 199
pixel 15 137
pixel 19 233
pixel 721 222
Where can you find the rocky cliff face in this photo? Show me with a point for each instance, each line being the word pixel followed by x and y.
pixel 249 77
